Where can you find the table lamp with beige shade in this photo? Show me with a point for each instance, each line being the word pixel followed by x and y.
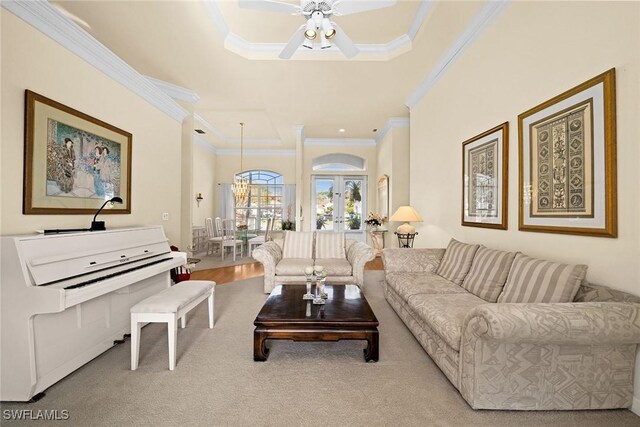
pixel 406 214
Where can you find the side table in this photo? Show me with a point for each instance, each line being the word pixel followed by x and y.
pixel 405 240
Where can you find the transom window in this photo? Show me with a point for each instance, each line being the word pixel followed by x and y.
pixel 264 201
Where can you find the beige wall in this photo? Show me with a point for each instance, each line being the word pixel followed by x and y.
pixel 312 151
pixel 531 53
pixel 393 160
pixel 204 181
pixel 32 61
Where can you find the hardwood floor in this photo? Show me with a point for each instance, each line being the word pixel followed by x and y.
pixel 224 275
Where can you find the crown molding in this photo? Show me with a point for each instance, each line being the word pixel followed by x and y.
pixel 175 91
pixel 332 142
pixel 298 130
pixel 393 122
pixel 254 152
pixel 236 140
pixel 235 152
pixel 270 51
pixel 425 9
pixel 49 21
pixel 489 11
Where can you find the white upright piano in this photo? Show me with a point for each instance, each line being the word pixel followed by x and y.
pixel 65 299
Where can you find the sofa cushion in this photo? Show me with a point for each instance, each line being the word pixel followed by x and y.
pixel 457 261
pixel 538 280
pixel 298 244
pixel 409 284
pixel 330 245
pixel 445 313
pixel 293 266
pixel 488 273
pixel 335 266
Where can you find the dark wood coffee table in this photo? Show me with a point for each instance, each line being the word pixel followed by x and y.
pixel 345 316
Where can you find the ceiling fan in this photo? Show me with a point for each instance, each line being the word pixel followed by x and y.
pixel 318 26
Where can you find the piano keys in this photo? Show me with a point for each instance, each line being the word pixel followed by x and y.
pixel 66 299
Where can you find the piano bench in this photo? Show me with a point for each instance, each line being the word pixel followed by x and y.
pixel 168 306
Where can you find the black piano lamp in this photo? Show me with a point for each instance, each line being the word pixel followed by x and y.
pixel 99 225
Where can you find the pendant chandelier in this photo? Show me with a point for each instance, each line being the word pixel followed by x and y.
pixel 240 184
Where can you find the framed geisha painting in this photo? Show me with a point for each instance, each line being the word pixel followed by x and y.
pixel 72 162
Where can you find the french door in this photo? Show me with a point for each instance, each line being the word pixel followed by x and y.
pixel 339 204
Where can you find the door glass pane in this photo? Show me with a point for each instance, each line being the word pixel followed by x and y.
pixel 353 204
pixel 324 204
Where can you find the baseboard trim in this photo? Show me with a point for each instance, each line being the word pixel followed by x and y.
pixel 635 407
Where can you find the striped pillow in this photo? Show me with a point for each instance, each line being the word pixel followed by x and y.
pixel 298 244
pixel 488 273
pixel 456 261
pixel 330 245
pixel 537 280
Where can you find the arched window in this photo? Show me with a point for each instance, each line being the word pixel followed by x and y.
pixel 339 162
pixel 265 200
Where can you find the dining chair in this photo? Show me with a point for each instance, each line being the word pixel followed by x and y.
pixel 259 240
pixel 214 237
pixel 229 238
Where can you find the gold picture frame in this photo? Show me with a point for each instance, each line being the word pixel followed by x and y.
pixel 72 162
pixel 485 176
pixel 567 162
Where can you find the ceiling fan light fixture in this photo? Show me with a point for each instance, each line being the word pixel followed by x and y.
pixel 329 31
pixel 324 43
pixel 310 33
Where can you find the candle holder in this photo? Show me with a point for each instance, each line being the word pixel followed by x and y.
pixel 318 300
pixel 323 279
pixel 308 295
pixel 308 272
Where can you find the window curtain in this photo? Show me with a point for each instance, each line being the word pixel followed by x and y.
pixel 289 202
pixel 227 202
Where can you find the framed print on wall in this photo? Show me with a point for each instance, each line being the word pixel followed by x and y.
pixel 485 167
pixel 567 162
pixel 72 162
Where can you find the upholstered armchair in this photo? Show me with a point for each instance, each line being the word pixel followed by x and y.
pixel 284 260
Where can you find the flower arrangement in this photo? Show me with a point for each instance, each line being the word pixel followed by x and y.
pixel 374 219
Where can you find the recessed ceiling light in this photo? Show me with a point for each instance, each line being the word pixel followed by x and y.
pixel 342 130
pixel 200 131
pixel 375 130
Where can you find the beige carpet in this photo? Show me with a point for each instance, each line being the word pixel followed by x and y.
pixel 216 381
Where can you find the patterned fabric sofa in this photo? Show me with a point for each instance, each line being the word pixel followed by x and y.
pixel 514 332
pixel 284 260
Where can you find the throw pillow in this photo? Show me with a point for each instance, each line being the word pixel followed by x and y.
pixel 488 273
pixel 456 261
pixel 330 245
pixel 538 280
pixel 298 244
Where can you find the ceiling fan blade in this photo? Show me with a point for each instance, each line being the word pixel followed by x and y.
pixel 293 44
pixel 343 42
pixel 270 6
pixel 348 7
